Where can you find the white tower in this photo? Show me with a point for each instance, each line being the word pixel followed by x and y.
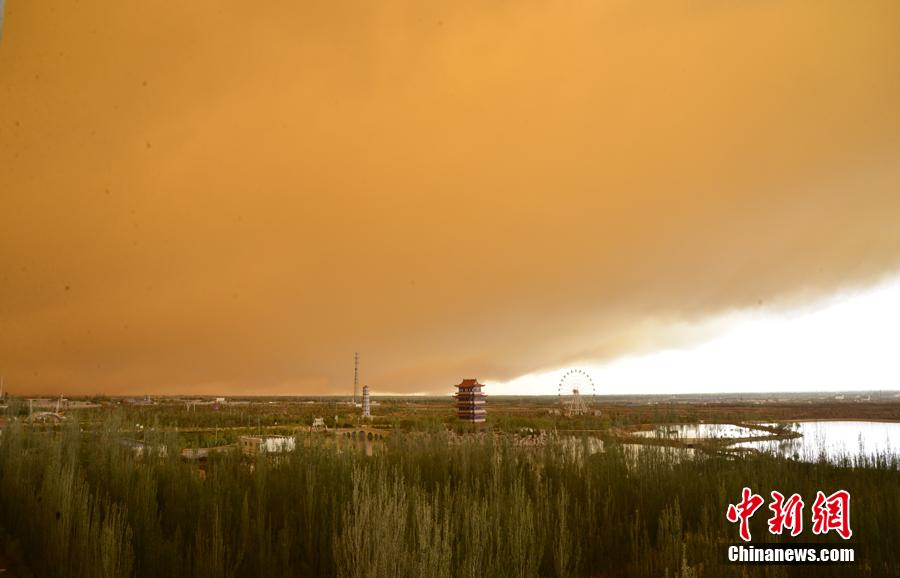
pixel 366 410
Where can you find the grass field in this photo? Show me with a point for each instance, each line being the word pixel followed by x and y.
pixel 527 495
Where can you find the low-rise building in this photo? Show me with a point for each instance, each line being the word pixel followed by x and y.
pixel 253 445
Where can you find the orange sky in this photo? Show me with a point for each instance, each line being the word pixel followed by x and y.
pixel 221 196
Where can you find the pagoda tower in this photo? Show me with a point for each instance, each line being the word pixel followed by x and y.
pixel 470 401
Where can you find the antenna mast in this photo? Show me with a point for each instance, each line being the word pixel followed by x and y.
pixel 355 376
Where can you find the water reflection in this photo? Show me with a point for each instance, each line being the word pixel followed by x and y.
pixel 700 431
pixel 671 454
pixel 834 440
pixel 578 449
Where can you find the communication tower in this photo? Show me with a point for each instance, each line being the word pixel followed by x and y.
pixel 355 377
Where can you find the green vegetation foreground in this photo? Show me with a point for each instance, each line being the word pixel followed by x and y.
pixel 75 504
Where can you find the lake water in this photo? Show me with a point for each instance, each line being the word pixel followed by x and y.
pixel 701 431
pixel 579 448
pixel 834 440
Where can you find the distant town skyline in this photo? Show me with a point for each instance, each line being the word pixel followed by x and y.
pixel 226 199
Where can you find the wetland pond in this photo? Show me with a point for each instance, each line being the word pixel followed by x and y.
pixel 700 431
pixel 831 440
pixel 834 440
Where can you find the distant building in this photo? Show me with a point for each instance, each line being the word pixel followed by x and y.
pixel 202 454
pixel 194 454
pixel 366 407
pixel 56 405
pixel 139 449
pixel 78 404
pixel 470 401
pixel 252 445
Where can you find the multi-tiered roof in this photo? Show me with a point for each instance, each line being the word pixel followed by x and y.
pixel 470 401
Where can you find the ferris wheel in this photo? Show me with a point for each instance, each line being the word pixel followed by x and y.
pixel 576 391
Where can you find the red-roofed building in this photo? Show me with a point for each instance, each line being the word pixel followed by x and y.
pixel 470 401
